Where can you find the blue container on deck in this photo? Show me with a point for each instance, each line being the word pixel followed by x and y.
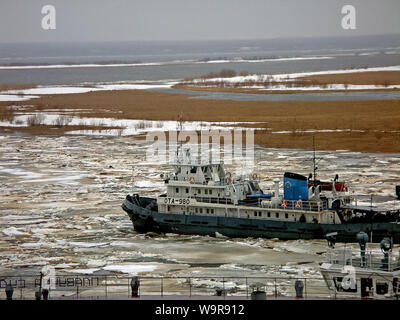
pixel 295 186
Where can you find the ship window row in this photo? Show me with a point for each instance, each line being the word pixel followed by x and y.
pixel 382 287
pixel 205 191
pixel 206 210
pixel 277 215
pixel 255 213
pixel 259 214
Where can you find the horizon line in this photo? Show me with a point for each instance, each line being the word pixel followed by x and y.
pixel 199 40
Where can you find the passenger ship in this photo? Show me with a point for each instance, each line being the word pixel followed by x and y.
pixel 204 199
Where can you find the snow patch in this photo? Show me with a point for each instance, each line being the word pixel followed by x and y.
pixel 131 268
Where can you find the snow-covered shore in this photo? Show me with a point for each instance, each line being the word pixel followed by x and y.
pixel 284 82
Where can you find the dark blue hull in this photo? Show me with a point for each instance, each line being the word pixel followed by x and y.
pixel 145 220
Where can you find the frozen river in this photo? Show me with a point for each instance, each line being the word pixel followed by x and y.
pixel 60 205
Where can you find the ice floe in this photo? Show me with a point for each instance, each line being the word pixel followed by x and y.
pixel 131 268
pixel 82 271
pixel 88 245
pixel 14 232
pixel 148 184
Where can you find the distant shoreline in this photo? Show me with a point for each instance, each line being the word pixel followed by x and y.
pixel 346 80
pixel 362 126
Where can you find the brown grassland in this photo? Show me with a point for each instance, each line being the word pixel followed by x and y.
pixel 379 121
pixel 371 78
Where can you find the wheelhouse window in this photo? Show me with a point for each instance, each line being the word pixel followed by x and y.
pixel 187 190
pixel 176 190
pixel 269 214
pixel 276 214
pixel 382 287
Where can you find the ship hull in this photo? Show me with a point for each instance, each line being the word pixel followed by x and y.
pixel 147 220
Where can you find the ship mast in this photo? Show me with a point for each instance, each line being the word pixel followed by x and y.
pixel 314 165
pixel 179 142
pixel 315 162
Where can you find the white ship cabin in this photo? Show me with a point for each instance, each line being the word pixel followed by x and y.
pixel 208 183
pixel 206 189
pixel 367 274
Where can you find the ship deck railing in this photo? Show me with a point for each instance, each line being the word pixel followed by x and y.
pixel 306 205
pixel 371 260
pixel 213 200
pixel 112 286
pixel 222 182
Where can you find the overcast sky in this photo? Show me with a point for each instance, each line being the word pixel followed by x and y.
pixel 120 20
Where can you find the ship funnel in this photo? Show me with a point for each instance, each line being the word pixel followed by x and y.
pixel 363 239
pixel 295 186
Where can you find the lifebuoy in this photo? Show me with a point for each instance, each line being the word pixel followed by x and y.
pixel 191 180
pixel 228 180
pixel 254 176
pixel 284 203
pixel 298 204
pixel 228 174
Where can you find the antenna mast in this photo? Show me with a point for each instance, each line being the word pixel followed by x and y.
pixel 179 142
pixel 314 165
